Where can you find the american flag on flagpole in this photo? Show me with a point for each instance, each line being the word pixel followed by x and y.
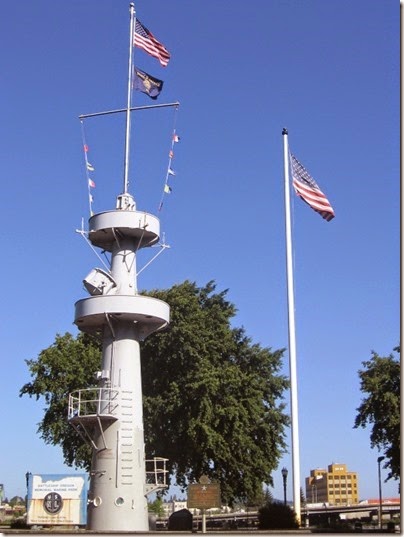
pixel 307 189
pixel 145 40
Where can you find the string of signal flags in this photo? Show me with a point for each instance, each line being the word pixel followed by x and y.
pixel 152 87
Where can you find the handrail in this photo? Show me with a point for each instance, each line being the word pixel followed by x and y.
pixel 93 402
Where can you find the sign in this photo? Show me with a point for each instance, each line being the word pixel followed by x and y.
pixel 204 495
pixel 57 499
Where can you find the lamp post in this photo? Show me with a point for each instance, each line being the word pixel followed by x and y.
pixel 285 477
pixel 313 493
pixel 379 460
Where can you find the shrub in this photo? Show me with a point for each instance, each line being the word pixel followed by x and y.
pixel 276 515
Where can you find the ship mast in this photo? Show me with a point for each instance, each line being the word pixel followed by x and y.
pixel 110 415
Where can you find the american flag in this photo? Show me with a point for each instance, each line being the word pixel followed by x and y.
pixel 145 40
pixel 307 189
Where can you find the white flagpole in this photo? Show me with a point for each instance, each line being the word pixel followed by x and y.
pixel 292 338
pixel 129 104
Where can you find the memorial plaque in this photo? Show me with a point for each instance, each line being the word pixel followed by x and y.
pixel 204 495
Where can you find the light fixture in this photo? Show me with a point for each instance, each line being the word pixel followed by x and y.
pixel 99 282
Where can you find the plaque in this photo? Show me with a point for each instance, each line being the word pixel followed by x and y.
pixel 204 495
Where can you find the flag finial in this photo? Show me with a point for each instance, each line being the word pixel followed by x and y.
pixel 284 131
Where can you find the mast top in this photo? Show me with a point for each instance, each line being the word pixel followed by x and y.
pixel 125 202
pixel 284 131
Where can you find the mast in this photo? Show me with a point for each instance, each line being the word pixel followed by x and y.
pixel 292 336
pixel 110 415
pixel 129 99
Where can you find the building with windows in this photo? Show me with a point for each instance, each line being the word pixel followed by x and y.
pixel 335 486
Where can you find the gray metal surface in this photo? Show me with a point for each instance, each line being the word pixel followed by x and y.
pixel 108 227
pixel 110 416
pixel 147 313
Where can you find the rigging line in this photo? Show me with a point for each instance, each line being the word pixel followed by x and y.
pixel 170 158
pixel 89 180
pixel 116 237
pixel 163 247
pixel 106 257
pixel 84 235
pixel 141 236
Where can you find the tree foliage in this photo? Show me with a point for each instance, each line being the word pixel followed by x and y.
pixel 16 500
pixel 67 365
pixel 213 400
pixel 380 381
pixel 156 507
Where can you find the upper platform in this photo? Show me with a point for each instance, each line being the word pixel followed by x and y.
pixel 108 227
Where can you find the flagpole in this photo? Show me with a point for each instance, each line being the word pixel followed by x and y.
pixel 129 103
pixel 292 338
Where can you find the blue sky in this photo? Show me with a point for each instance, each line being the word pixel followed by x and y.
pixel 328 71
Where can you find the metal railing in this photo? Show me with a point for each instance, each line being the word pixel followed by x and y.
pixel 156 474
pixel 92 402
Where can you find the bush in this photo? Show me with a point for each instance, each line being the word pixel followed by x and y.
pixel 19 523
pixel 276 516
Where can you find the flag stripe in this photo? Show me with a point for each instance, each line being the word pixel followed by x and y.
pixel 318 200
pixel 145 40
pixel 308 190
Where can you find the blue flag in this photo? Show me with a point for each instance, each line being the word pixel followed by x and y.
pixel 147 83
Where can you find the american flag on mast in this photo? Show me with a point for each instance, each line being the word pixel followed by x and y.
pixel 307 189
pixel 145 40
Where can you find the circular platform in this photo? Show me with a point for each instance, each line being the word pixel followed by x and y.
pixel 149 314
pixel 106 227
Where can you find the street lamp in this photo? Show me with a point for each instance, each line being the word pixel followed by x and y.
pixel 313 493
pixel 285 477
pixel 379 460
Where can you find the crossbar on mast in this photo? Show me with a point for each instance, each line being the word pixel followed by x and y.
pixel 132 109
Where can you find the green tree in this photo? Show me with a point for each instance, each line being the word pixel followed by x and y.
pixel 16 500
pixel 156 507
pixel 268 496
pixel 303 500
pixel 380 381
pixel 69 364
pixel 213 400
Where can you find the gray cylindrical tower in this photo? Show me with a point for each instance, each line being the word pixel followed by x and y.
pixel 111 415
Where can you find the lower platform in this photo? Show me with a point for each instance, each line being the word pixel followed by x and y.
pixel 149 314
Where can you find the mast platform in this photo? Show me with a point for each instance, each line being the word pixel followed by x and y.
pixel 143 227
